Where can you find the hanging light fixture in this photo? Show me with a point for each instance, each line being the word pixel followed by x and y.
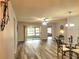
pixel 5 14
pixel 45 21
pixel 62 29
pixel 69 24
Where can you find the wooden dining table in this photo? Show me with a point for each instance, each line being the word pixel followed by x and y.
pixel 76 51
pixel 64 49
pixel 73 50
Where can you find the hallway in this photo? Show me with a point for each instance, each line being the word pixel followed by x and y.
pixel 42 21
pixel 37 49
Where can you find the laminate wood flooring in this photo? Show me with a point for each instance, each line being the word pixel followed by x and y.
pixel 38 49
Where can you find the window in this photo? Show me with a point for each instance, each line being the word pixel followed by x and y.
pixel 49 32
pixel 37 31
pixel 32 33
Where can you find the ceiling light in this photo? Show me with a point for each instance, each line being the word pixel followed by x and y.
pixel 62 31
pixel 66 25
pixel 45 21
pixel 71 25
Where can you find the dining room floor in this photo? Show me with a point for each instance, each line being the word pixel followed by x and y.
pixel 38 49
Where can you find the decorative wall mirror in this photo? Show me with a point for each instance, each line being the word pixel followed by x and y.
pixel 5 14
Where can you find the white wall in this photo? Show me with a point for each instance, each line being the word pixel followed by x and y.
pixel 74 31
pixel 21 34
pixel 8 37
pixel 2 51
pixel 21 29
pixel 56 27
pixel 43 34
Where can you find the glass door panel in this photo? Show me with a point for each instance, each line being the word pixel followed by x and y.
pixel 49 32
pixel 33 33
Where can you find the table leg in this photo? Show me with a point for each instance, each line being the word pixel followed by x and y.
pixel 62 54
pixel 70 54
pixel 57 53
pixel 77 56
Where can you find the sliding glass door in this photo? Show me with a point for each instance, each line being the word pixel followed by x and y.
pixel 49 32
pixel 32 33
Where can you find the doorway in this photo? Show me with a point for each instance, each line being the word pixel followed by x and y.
pixel 49 33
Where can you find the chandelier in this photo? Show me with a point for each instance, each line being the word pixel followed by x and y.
pixel 69 24
pixel 5 14
pixel 45 21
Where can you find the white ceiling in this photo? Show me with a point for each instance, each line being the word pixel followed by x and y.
pixel 33 10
